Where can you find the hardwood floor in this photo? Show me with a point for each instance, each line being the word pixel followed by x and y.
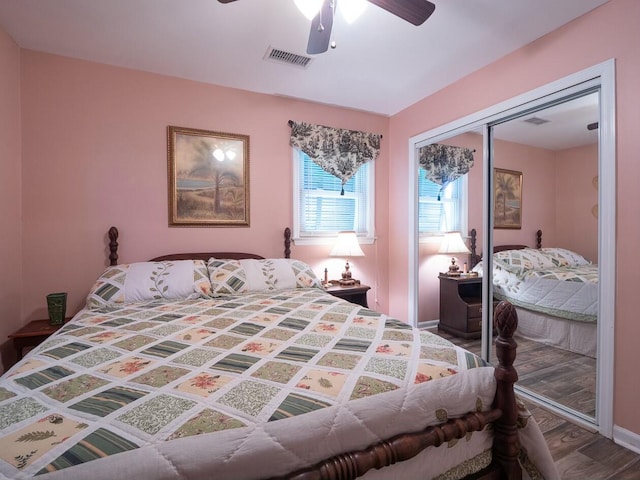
pixel 579 454
pixel 583 455
pixel 562 376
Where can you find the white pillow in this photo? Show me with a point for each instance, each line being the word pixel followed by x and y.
pixel 230 277
pixel 146 281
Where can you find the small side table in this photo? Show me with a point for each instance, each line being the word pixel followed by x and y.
pixel 32 334
pixel 355 294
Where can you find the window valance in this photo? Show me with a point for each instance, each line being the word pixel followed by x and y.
pixel 445 163
pixel 337 151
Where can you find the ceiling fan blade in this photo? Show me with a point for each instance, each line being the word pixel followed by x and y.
pixel 413 11
pixel 226 1
pixel 321 25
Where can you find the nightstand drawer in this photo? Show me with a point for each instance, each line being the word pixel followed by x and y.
pixel 474 310
pixel 474 324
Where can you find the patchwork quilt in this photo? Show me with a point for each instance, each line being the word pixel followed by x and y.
pixel 554 281
pixel 246 386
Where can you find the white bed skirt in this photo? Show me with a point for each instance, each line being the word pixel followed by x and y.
pixel 577 337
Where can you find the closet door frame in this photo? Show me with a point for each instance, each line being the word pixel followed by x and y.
pixel 602 75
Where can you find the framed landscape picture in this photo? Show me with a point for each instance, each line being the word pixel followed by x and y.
pixel 208 178
pixel 507 198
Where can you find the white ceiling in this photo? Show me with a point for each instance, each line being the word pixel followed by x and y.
pixel 565 127
pixel 382 64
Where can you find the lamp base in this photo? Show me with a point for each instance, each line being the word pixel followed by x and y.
pixel 454 269
pixel 345 282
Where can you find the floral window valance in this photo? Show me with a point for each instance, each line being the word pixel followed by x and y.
pixel 444 163
pixel 337 151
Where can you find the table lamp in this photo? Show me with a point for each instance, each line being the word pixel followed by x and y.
pixel 346 246
pixel 452 243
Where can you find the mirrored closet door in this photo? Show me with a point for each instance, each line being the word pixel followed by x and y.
pixel 545 184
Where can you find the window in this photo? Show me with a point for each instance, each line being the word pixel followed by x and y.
pixel 319 209
pixel 444 215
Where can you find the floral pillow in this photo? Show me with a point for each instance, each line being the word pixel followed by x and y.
pixel 562 257
pixel 518 261
pixel 229 277
pixel 145 281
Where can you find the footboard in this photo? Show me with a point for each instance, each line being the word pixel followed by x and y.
pixel 503 416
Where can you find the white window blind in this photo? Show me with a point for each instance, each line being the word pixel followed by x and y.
pixel 321 210
pixel 444 215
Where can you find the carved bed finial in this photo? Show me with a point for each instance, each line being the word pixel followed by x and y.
pixel 113 246
pixel 539 239
pixel 287 242
pixel 474 258
pixel 505 319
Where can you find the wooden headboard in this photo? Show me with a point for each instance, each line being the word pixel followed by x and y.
pixel 113 249
pixel 474 257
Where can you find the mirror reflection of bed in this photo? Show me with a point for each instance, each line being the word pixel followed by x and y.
pixel 555 291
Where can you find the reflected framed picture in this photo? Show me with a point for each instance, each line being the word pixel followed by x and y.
pixel 507 199
pixel 208 178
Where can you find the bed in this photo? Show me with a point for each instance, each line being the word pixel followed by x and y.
pixel 231 366
pixel 554 290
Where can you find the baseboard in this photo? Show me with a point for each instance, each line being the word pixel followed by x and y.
pixel 428 324
pixel 626 438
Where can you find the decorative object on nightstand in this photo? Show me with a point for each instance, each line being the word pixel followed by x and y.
pixel 347 246
pixel 355 294
pixel 453 244
pixel 57 307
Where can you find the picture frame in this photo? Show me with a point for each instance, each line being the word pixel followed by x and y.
pixel 507 199
pixel 208 178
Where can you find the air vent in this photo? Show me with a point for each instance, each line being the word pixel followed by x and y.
pixel 288 58
pixel 536 120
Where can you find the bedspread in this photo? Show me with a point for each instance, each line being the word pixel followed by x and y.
pixel 185 388
pixel 566 292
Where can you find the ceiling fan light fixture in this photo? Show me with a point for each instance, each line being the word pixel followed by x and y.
pixel 309 8
pixel 352 9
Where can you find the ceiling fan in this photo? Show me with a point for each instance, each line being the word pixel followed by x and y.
pixel 413 11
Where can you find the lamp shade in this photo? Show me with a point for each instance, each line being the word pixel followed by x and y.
pixel 347 245
pixel 453 243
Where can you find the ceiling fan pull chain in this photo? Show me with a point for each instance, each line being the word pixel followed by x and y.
pixel 334 6
pixel 320 25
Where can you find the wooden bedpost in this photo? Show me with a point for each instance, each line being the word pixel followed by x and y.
pixel 287 242
pixel 474 258
pixel 539 239
pixel 113 246
pixel 506 445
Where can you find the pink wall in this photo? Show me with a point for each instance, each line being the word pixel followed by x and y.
pixel 576 195
pixel 609 31
pixel 95 155
pixel 538 193
pixel 10 197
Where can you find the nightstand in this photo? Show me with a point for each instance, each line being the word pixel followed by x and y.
pixel 355 294
pixel 461 306
pixel 32 334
